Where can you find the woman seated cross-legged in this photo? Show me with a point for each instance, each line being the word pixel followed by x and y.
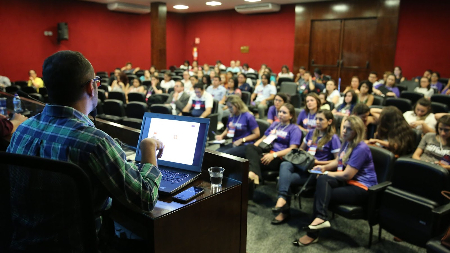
pixel 324 144
pixel 241 127
pixel 280 138
pixel 344 181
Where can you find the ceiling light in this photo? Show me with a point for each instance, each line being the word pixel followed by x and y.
pixel 181 7
pixel 252 1
pixel 340 7
pixel 213 3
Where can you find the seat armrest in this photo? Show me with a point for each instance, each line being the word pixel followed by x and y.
pixel 374 201
pixel 441 219
pixel 379 187
pixel 442 210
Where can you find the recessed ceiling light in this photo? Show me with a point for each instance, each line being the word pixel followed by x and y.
pixel 252 1
pixel 340 7
pixel 181 7
pixel 213 3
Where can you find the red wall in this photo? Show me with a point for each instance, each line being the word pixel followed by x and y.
pixel 175 32
pixel 423 37
pixel 270 37
pixel 107 39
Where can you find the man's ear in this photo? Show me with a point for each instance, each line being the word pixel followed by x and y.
pixel 90 89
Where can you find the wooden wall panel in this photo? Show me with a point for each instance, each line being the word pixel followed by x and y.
pixel 158 30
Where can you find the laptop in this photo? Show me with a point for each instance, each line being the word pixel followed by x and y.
pixel 184 141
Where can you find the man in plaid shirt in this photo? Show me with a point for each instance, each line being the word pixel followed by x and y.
pixel 64 132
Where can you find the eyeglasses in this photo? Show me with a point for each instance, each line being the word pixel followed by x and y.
pixel 96 80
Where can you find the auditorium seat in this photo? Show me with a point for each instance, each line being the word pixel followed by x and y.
pixel 101 95
pixel 252 76
pixel 176 78
pixel 136 97
pixel 246 96
pixel 289 88
pixel 402 104
pixel 284 79
pixel 439 107
pixel 410 85
pixel 104 87
pixel 440 98
pixel 412 96
pixel 136 110
pixel 157 99
pixel 133 123
pixel 21 83
pixel 159 108
pixel 12 89
pixel 43 91
pixel 29 89
pixel 113 110
pixel 147 84
pixel 102 74
pixel 131 77
pixel 139 73
pixel 36 96
pixel 119 95
pixel 378 100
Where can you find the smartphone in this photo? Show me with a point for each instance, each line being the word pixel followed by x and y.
pixel 315 172
pixel 188 194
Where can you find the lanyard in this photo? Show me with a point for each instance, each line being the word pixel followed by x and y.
pixel 234 123
pixel 283 128
pixel 440 141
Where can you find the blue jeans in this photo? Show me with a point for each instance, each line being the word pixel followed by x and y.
pixel 290 174
pixel 238 151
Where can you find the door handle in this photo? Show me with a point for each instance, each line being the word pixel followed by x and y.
pixel 367 64
pixel 312 62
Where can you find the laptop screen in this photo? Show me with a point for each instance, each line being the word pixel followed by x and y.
pixel 184 139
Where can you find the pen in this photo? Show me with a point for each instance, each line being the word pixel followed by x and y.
pixel 214 132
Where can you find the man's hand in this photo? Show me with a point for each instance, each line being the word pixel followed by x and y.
pixel 219 137
pixel 19 118
pixel 263 102
pixel 267 158
pixel 151 149
pixel 175 96
pixel 238 142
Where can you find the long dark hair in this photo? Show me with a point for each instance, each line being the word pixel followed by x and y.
pixel 331 130
pixel 425 103
pixel 352 103
pixel 393 127
pixel 291 109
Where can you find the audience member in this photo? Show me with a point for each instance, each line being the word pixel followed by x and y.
pixel 323 144
pixel 206 69
pixel 147 76
pixel 388 88
pixel 233 67
pixel 319 77
pixel 362 111
pixel 241 127
pixel 311 85
pixel 238 65
pixel 167 83
pixel 285 73
pixel 365 93
pixel 220 66
pixel 346 108
pixel 307 118
pixel 186 65
pixel 421 118
pixel 332 93
pixel 348 185
pixel 394 133
pixel 434 147
pixel 426 74
pixel 261 70
pixel 246 69
pixel 4 82
pixel 232 88
pixel 155 88
pixel 325 105
pixel 128 69
pixel 35 81
pixel 199 74
pixel 435 84
pixel 373 78
pixel 65 133
pixel 200 103
pixel 281 137
pixel 242 84
pixel 354 85
pixel 114 77
pixel 398 75
pixel 136 87
pixel 153 71
pixel 425 88
pixel 279 100
pixel 262 94
pixel 219 92
pixel 446 89
pixel 212 74
pixel 8 127
pixel 121 84
pixel 178 99
pixel 301 72
pixel 206 81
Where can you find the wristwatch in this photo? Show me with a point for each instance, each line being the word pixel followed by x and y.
pixel 326 172
pixel 243 140
pixel 275 155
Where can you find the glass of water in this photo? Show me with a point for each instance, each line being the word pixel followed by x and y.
pixel 216 174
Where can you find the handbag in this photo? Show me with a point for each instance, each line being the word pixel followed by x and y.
pixel 446 239
pixel 302 159
pixel 265 147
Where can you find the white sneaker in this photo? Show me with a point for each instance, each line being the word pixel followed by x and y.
pixel 219 125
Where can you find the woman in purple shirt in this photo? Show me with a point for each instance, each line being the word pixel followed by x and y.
pixel 324 144
pixel 307 118
pixel 283 135
pixel 279 100
pixel 435 84
pixel 241 127
pixel 348 184
pixel 388 89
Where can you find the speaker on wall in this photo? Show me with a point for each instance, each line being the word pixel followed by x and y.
pixel 63 32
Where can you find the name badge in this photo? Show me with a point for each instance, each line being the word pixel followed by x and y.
pixel 231 130
pixel 312 150
pixel 445 160
pixel 197 105
pixel 340 165
pixel 270 139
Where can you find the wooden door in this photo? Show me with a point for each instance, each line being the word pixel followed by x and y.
pixel 325 50
pixel 342 48
pixel 356 52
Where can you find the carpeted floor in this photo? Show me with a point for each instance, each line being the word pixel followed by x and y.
pixel 343 236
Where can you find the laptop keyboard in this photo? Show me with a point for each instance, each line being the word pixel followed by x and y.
pixel 173 177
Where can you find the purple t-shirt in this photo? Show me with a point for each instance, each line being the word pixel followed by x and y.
pixel 444 91
pixel 244 124
pixel 360 159
pixel 327 151
pixel 393 89
pixel 286 136
pixel 272 114
pixel 437 86
pixel 307 120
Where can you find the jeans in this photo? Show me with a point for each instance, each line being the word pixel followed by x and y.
pixel 254 155
pixel 289 174
pixel 261 109
pixel 222 113
pixel 238 151
pixel 330 190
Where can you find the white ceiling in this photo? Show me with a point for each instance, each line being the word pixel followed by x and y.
pixel 200 5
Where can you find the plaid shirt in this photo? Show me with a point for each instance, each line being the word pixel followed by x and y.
pixel 63 133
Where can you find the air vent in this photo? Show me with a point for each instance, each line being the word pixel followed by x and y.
pixel 130 8
pixel 257 8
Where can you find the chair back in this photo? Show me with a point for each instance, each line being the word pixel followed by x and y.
pixel 136 110
pixel 284 79
pixel 29 89
pixel 114 107
pixel 36 96
pixel 289 88
pixel 40 180
pixel 215 108
pixel 378 100
pixel 157 99
pixel 263 126
pixel 409 85
pixel 421 178
pixel 118 95
pixel 412 96
pixel 402 104
pixel 21 83
pixel 441 98
pixel 101 95
pixel 136 97
pixel 131 77
pixel 383 161
pixel 246 97
pixel 160 109
pixel 437 107
pixel 43 91
pixel 12 89
pixel 133 123
pixel 102 74
pixel 252 75
pixel 104 87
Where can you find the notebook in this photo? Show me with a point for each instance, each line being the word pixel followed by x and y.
pixel 184 141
